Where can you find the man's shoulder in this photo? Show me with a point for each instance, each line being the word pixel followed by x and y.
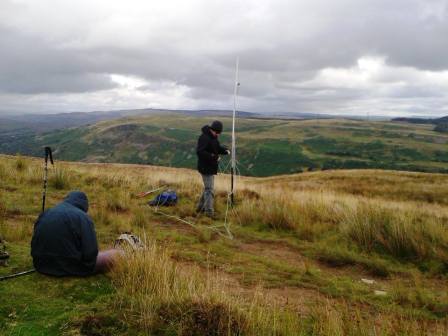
pixel 204 138
pixel 69 210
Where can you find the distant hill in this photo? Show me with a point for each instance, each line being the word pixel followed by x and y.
pixel 441 124
pixel 434 121
pixel 47 122
pixel 442 128
pixel 265 146
pixel 11 125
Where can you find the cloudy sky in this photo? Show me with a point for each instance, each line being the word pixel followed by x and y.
pixel 348 56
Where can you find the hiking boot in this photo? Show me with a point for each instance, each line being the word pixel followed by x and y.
pixel 211 215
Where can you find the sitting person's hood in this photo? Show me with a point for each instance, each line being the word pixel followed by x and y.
pixel 78 199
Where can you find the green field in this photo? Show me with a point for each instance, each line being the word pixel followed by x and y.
pixel 265 147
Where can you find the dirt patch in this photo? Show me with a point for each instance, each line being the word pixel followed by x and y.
pixel 298 299
pixel 276 251
pixel 295 298
pixel 173 224
pixel 100 325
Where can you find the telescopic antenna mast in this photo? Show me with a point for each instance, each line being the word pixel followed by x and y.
pixel 233 152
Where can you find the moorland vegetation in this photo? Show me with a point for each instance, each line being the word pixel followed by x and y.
pixel 349 252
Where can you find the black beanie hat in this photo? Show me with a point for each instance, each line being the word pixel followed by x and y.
pixel 216 126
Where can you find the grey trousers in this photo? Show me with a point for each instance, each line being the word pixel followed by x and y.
pixel 206 201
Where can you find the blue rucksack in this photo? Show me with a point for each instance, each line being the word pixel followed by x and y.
pixel 167 198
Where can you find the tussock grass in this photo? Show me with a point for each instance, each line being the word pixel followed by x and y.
pixel 13 210
pixel 33 176
pixel 114 180
pixel 16 231
pixel 2 216
pixel 169 300
pixel 245 194
pixel 337 256
pixel 101 216
pixel 20 163
pixel 2 207
pixel 3 172
pixel 118 201
pixel 141 218
pixel 402 234
pixel 419 297
pixel 307 217
pixel 59 179
pixel 344 319
pixel 185 209
pixel 120 225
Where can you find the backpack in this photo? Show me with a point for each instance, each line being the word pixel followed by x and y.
pixel 167 198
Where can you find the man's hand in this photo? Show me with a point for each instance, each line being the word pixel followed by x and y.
pixel 228 152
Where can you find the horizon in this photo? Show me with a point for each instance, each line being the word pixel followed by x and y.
pixel 267 113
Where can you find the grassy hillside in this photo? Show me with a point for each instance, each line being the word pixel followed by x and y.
pixel 441 124
pixel 265 147
pixel 301 246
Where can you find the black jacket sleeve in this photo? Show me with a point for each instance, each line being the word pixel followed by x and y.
pixel 222 150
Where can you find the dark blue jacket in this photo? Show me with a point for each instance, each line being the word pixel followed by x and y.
pixel 64 240
pixel 208 151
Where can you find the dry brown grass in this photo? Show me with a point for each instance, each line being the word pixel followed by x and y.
pixel 406 234
pixel 308 216
pixel 343 319
pixel 161 297
pixel 372 184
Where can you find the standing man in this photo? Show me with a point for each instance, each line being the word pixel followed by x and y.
pixel 208 151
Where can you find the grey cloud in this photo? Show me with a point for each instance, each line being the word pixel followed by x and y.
pixel 281 44
pixel 31 66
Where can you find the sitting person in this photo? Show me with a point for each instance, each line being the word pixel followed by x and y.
pixel 64 240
